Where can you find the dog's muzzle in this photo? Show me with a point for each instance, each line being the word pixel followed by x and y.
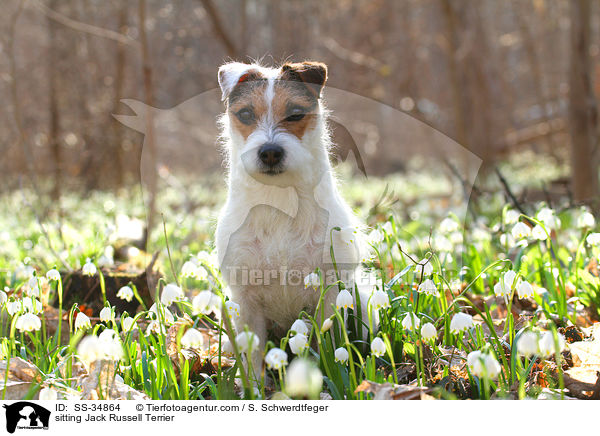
pixel 271 155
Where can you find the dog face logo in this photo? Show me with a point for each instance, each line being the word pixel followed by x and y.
pixel 26 415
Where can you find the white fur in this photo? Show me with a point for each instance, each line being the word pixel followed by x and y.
pixel 282 222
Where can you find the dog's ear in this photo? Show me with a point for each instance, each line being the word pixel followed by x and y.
pixel 311 73
pixel 233 73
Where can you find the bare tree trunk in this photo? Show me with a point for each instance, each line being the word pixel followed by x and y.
pixel 119 81
pixel 453 65
pixel 54 127
pixel 149 140
pixel 538 79
pixel 582 109
pixel 24 159
pixel 218 28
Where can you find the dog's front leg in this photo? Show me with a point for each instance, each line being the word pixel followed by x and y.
pixel 253 320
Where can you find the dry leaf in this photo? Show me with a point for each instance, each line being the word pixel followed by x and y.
pixel 389 391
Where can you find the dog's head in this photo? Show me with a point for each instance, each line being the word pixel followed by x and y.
pixel 274 119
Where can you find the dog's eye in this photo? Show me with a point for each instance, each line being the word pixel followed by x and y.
pixel 296 114
pixel 245 115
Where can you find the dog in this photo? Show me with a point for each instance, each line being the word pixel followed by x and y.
pixel 283 210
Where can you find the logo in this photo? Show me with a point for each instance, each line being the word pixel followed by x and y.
pixel 26 415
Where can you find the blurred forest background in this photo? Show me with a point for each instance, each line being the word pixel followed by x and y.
pixel 500 78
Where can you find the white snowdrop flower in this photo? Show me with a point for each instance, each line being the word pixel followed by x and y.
pixel 189 269
pixel 312 281
pixel 428 287
pixel 53 275
pixel 107 335
pixel 192 338
pixel 375 237
pixel 378 347
pixel 247 342
pixel 511 217
pixel 276 358
pixel 299 327
pixel 303 379
pixel 48 394
pixel 504 286
pixel 344 300
pixel 171 293
pixel 125 293
pixel 233 309
pixel 547 345
pixel 206 302
pixel 380 300
pixel 448 225
pixel 348 235
pixel 105 261
pixel 456 286
pixel 32 305
pixel 593 239
pixel 520 231
pixel 168 316
pixel 586 220
pixel 226 346
pixel 89 269
pixel 326 325
pixel 106 314
pixel 410 321
pixel 387 227
pixel 506 240
pixel 481 235
pixel 201 273
pixel 3 298
pixel 128 324
pixel 24 271
pixel 13 307
pixel 461 322
pixel 341 355
pixel 110 345
pixel 483 364
pixel 28 322
pixel 82 321
pixel 90 349
pixel 525 290
pixel 31 288
pixel 549 218
pixel 539 233
pixel 298 343
pixel 155 327
pixel 206 258
pixel 527 344
pixel 456 238
pixel 424 267
pixel 442 244
pixel 428 331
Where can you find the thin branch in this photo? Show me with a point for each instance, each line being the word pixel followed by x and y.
pixel 509 192
pixel 84 27
pixel 353 56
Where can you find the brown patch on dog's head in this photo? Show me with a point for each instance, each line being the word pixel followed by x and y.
pixel 292 106
pixel 312 74
pixel 247 104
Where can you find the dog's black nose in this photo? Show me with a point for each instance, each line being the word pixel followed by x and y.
pixel 270 154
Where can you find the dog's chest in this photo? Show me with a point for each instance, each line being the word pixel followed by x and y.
pixel 279 240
